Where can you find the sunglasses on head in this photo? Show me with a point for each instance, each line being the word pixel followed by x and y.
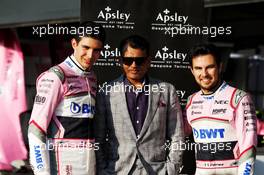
pixel 129 60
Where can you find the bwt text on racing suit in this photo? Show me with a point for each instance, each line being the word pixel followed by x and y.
pixel 224 129
pixel 60 131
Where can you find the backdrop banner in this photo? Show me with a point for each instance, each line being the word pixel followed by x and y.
pixel 167 25
pixel 172 27
pixel 13 100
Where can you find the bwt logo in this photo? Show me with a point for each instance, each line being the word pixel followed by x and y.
pixel 165 54
pixel 38 157
pixel 84 108
pixel 108 14
pixel 110 53
pixel 208 133
pixel 167 17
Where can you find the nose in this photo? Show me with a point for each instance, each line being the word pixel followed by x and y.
pixel 89 53
pixel 133 64
pixel 204 72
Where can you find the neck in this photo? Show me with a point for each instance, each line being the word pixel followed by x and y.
pixel 211 91
pixel 136 83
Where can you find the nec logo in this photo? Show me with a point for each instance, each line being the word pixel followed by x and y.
pixel 221 102
pixel 208 133
pixel 84 108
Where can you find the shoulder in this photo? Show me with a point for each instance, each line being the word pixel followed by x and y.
pixel 237 96
pixel 161 84
pixel 190 99
pixel 54 75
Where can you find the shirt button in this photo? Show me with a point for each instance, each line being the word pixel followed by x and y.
pixel 137 108
pixel 137 122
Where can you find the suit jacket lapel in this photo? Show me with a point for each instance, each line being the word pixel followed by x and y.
pixel 152 107
pixel 123 106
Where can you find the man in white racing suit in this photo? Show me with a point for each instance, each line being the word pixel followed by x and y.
pixel 222 118
pixel 60 133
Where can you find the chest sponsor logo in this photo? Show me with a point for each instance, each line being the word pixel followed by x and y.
pixel 68 169
pixel 197 107
pixel 196 112
pixel 82 109
pixel 249 112
pixel 208 133
pixel 221 102
pixel 38 157
pixel 219 111
pixel 197 102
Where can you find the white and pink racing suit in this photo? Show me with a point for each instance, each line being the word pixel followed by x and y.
pixel 60 132
pixel 224 129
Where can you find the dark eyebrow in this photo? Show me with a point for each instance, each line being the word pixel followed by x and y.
pixel 88 47
pixel 85 46
pixel 197 67
pixel 211 66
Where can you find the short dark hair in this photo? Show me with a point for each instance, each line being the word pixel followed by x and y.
pixel 205 49
pixel 96 32
pixel 136 42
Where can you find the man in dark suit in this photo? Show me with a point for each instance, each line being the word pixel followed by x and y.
pixel 138 125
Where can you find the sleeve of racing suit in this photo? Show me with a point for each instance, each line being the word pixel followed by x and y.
pixel 187 126
pixel 49 91
pixel 175 134
pixel 246 133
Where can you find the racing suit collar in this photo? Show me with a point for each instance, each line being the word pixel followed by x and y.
pixel 76 67
pixel 218 89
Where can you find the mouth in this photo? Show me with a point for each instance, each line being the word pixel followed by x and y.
pixel 205 80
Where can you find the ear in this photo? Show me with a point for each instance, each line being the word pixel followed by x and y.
pixel 149 61
pixel 74 43
pixel 191 69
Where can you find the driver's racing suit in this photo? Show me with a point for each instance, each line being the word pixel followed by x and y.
pixel 224 129
pixel 60 129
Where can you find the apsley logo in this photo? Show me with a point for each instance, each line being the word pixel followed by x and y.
pixel 180 93
pixel 84 108
pixel 169 58
pixel 165 53
pixel 166 16
pixel 111 18
pixel 108 56
pixel 110 14
pixel 167 19
pixel 109 52
pixel 208 133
